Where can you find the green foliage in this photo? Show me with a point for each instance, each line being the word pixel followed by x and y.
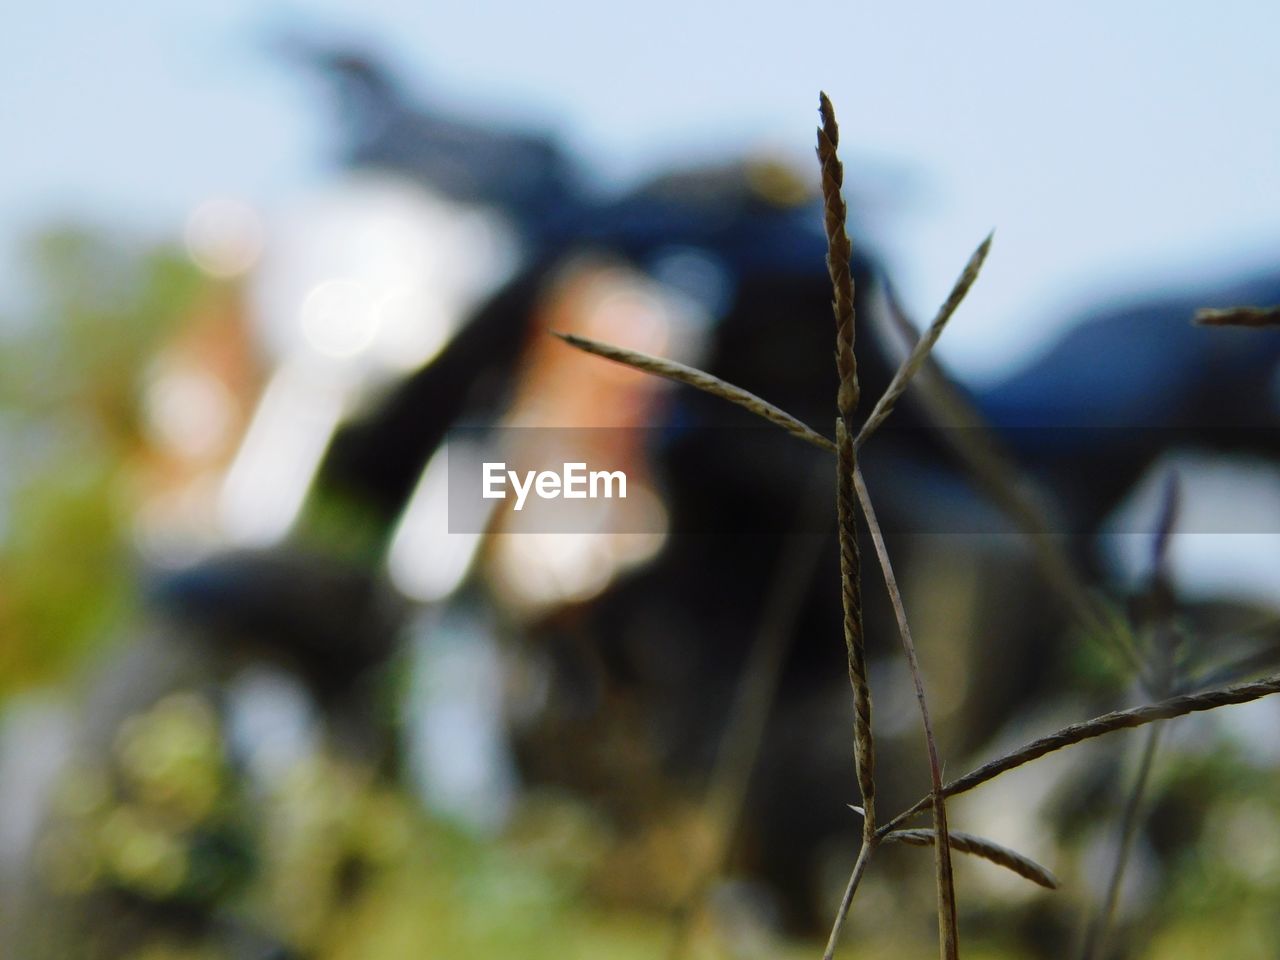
pixel 71 371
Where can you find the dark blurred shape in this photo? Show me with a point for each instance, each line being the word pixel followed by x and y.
pixel 735 238
pixel 654 662
pixel 331 621
pixel 525 174
pixel 751 214
pixel 1124 385
pixel 642 677
pixel 743 239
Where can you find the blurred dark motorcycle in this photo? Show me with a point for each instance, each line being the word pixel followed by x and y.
pixel 614 673
pixel 740 247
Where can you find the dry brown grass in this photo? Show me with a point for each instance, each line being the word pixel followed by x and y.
pixel 995 473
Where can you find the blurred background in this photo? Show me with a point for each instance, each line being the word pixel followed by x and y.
pixel 257 261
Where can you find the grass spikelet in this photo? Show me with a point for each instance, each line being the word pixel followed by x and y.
pixel 691 376
pixel 1100 726
pixel 924 345
pixel 1015 493
pixel 989 464
pixel 850 487
pixel 1240 317
pixel 947 921
pixel 839 253
pixel 980 847
pixel 851 595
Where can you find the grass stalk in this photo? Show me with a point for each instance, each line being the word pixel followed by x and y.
pixel 701 380
pixel 948 934
pixel 980 847
pixel 1096 937
pixel 850 891
pixel 839 255
pixel 977 447
pixel 1166 709
pixel 924 345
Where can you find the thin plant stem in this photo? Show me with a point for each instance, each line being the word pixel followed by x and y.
pixel 947 930
pixel 753 701
pixel 923 345
pixel 1096 938
pixel 839 255
pixel 1118 720
pixel 1163 654
pixel 992 469
pixel 699 379
pixel 851 598
pixel 749 714
pixel 980 847
pixel 972 441
pixel 1015 494
pixel 855 879
pixel 1166 709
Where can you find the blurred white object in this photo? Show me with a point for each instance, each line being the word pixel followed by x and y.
pixel 459 750
pixel 36 732
pixel 361 283
pixel 224 237
pixel 1226 541
pixel 271 724
pixel 426 561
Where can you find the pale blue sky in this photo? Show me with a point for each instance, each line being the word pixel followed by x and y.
pixel 1112 146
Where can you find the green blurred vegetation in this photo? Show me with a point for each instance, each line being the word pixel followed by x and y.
pixel 340 862
pixel 71 372
pixel 331 860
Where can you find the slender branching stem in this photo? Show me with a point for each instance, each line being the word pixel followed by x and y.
pixel 923 346
pixel 1165 709
pixel 756 691
pixel 839 255
pixel 699 379
pixel 748 716
pixel 1096 938
pixel 1107 723
pixel 850 890
pixel 988 463
pixel 947 930
pixel 980 847
pixel 973 441
pixel 851 597
pixel 1163 658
